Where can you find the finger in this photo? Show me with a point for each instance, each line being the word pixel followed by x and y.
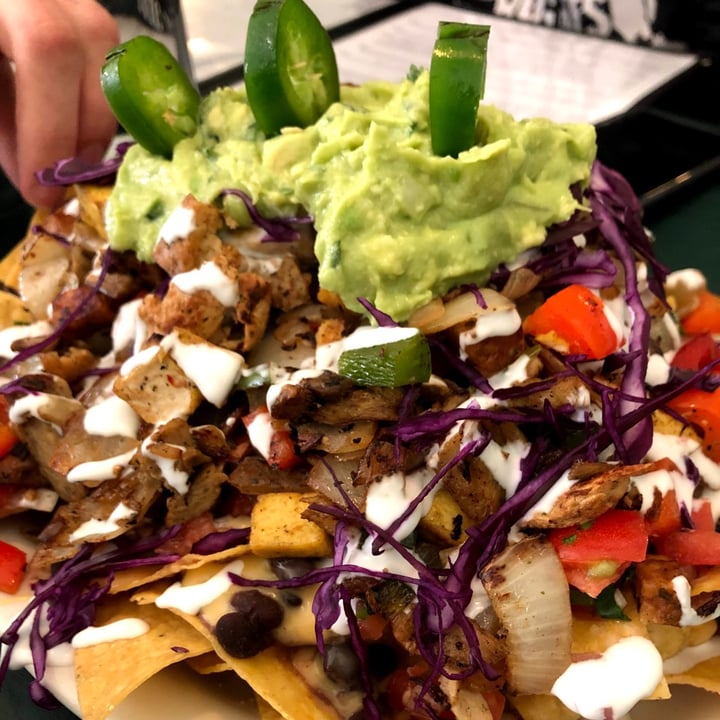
pixel 97 124
pixel 8 142
pixel 48 67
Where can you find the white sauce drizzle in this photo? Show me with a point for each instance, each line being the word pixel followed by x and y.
pixel 677 449
pixel 94 527
pixel 112 416
pixel 29 406
pixel 211 278
pixel 213 369
pixel 140 358
pixel 191 599
pixel 499 323
pixel 97 470
pixel 124 629
pixel 689 617
pixel 626 672
pixel 13 333
pixel 176 478
pixel 128 329
pixel 179 224
pixel 658 370
pixel 390 496
pixel 260 432
pixel 366 336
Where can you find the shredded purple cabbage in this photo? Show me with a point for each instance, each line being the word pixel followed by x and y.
pixel 278 229
pixel 38 229
pixel 222 540
pixel 67 600
pixel 74 170
pixel 381 318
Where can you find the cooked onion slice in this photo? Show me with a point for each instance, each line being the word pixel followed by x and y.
pixel 438 316
pixel 530 595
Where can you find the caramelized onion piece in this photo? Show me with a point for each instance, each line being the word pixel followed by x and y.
pixel 530 595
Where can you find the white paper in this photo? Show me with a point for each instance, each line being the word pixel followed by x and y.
pixel 531 71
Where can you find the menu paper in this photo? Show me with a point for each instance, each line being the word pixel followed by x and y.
pixel 531 70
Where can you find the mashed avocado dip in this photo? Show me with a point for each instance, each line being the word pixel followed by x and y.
pixel 395 224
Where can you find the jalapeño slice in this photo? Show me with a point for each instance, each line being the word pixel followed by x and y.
pixel 290 69
pixel 150 94
pixel 457 84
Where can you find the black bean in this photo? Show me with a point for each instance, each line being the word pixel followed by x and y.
pixel 342 665
pixel 246 631
pixel 238 638
pixel 261 610
pixel 289 568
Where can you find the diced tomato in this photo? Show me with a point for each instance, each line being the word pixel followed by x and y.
pixel 691 547
pixel 702 515
pixel 12 567
pixel 618 535
pixel 664 517
pixel 8 438
pixel 576 316
pixel 271 439
pixel 696 353
pixel 595 554
pixel 702 408
pixel 594 576
pixel 705 318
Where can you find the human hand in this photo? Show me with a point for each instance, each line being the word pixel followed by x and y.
pixel 51 101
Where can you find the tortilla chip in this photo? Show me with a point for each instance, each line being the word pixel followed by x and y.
pixel 107 673
pixel 92 199
pixel 266 711
pixel 705 675
pixel 208 664
pixel 595 635
pixel 10 265
pixel 133 578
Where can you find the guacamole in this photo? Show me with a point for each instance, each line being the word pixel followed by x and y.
pixel 395 224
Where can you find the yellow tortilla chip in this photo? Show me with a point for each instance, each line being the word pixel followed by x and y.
pixel 133 578
pixel 92 199
pixel 108 672
pixel 208 664
pixel 269 674
pixel 705 675
pixel 266 711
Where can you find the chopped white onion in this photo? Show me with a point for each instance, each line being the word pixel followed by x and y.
pixel 530 595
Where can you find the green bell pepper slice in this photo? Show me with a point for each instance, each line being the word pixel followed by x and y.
pixel 395 363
